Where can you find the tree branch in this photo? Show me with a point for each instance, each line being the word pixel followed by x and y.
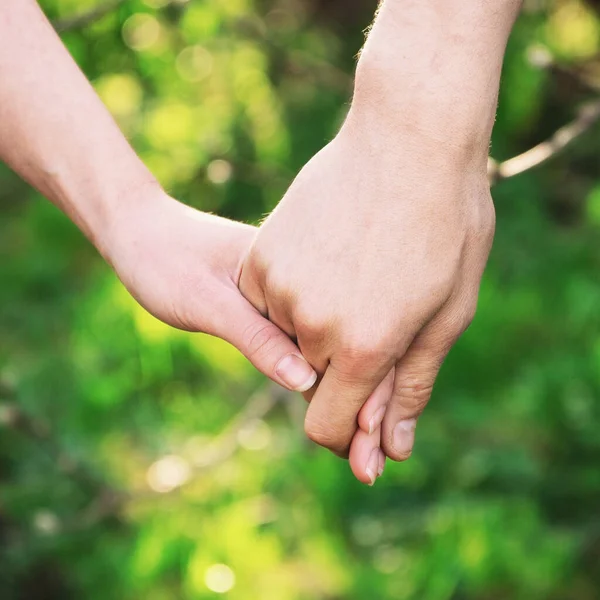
pixel 86 18
pixel 587 117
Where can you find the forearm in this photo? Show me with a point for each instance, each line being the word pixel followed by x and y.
pixel 435 65
pixel 54 130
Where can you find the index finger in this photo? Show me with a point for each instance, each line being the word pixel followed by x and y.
pixel 332 416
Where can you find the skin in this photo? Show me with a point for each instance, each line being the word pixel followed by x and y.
pixel 182 265
pixel 371 262
pixel 388 229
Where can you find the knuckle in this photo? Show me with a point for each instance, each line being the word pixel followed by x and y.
pixel 483 220
pixel 255 264
pixel 276 281
pixel 462 320
pixel 321 434
pixel 432 294
pixel 260 340
pixel 309 318
pixel 468 316
pixel 451 331
pixel 413 394
pixel 353 363
pixel 364 349
pixel 454 324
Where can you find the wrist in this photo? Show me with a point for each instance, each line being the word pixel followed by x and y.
pixel 395 108
pixel 97 199
pixel 434 68
pixel 126 215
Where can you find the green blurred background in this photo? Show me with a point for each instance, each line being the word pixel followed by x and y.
pixel 138 462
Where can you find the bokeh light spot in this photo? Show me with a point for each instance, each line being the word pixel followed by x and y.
pixel 46 522
pixel 573 30
pixel 121 92
pixel 219 578
pixel 387 560
pixel 255 435
pixel 194 63
pixel 141 31
pixel 367 530
pixel 219 171
pixel 168 473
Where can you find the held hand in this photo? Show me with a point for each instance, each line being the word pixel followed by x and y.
pixel 183 266
pixel 372 261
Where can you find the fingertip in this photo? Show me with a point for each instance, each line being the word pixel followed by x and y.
pixel 376 420
pixel 381 463
pixel 372 468
pixel 296 373
pixel 373 411
pixel 400 441
pixel 365 457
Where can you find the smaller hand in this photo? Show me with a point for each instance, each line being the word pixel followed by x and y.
pixel 183 266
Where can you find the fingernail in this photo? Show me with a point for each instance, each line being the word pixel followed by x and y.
pixel 376 419
pixel 404 436
pixel 373 465
pixel 296 373
pixel 381 464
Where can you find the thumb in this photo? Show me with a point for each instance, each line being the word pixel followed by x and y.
pixel 268 348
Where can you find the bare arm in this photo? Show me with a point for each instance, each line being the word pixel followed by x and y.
pixel 55 131
pixel 433 67
pixel 401 224
pixel 180 264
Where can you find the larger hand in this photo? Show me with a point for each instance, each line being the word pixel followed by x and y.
pixel 374 257
pixel 373 261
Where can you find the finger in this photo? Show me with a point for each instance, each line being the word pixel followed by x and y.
pixel 332 416
pixel 366 458
pixel 309 394
pixel 318 360
pixel 415 376
pixel 417 371
pixel 268 348
pixel 278 315
pixel 317 357
pixel 251 289
pixel 382 459
pixel 371 414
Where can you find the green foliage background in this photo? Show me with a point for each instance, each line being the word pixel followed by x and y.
pixel 138 462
